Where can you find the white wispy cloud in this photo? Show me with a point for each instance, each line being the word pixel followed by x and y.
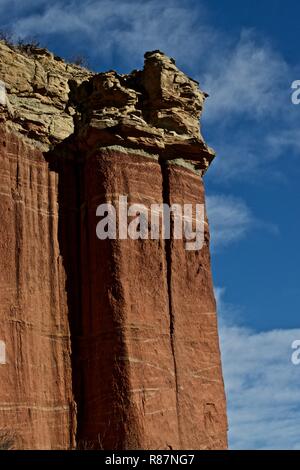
pixel 249 114
pixel 262 384
pixel 230 219
pixel 287 140
pixel 246 79
pixel 127 28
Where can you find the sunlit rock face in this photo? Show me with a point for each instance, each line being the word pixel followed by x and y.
pixel 112 343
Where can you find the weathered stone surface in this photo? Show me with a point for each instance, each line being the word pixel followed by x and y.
pixel 36 401
pixel 148 320
pixel 139 315
pixel 38 93
pixel 156 108
pixel 200 388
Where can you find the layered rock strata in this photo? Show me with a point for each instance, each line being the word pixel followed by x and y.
pixel 110 344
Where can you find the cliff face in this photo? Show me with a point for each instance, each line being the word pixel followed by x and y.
pixel 138 315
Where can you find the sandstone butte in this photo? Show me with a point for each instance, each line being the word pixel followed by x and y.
pixel 109 344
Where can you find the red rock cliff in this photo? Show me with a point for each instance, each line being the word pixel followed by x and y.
pixel 138 315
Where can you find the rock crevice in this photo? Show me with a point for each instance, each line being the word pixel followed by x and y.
pixel 168 254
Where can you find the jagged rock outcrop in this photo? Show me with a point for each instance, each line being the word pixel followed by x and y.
pixel 38 94
pixel 138 315
pixel 156 109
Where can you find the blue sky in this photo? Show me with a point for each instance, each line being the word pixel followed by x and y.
pixel 245 55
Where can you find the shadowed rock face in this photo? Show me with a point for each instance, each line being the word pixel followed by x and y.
pixel 138 315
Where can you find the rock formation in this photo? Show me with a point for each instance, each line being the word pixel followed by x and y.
pixel 108 343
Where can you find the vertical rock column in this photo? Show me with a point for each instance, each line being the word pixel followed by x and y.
pixel 199 383
pixel 127 380
pixel 36 406
pixel 148 371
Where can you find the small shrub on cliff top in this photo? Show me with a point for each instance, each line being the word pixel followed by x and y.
pixel 80 60
pixel 28 45
pixel 25 45
pixel 6 37
pixel 7 439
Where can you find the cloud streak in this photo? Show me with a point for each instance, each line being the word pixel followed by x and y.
pixel 262 384
pixel 248 81
pixel 245 80
pixel 230 219
pixel 126 29
pixel 249 117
